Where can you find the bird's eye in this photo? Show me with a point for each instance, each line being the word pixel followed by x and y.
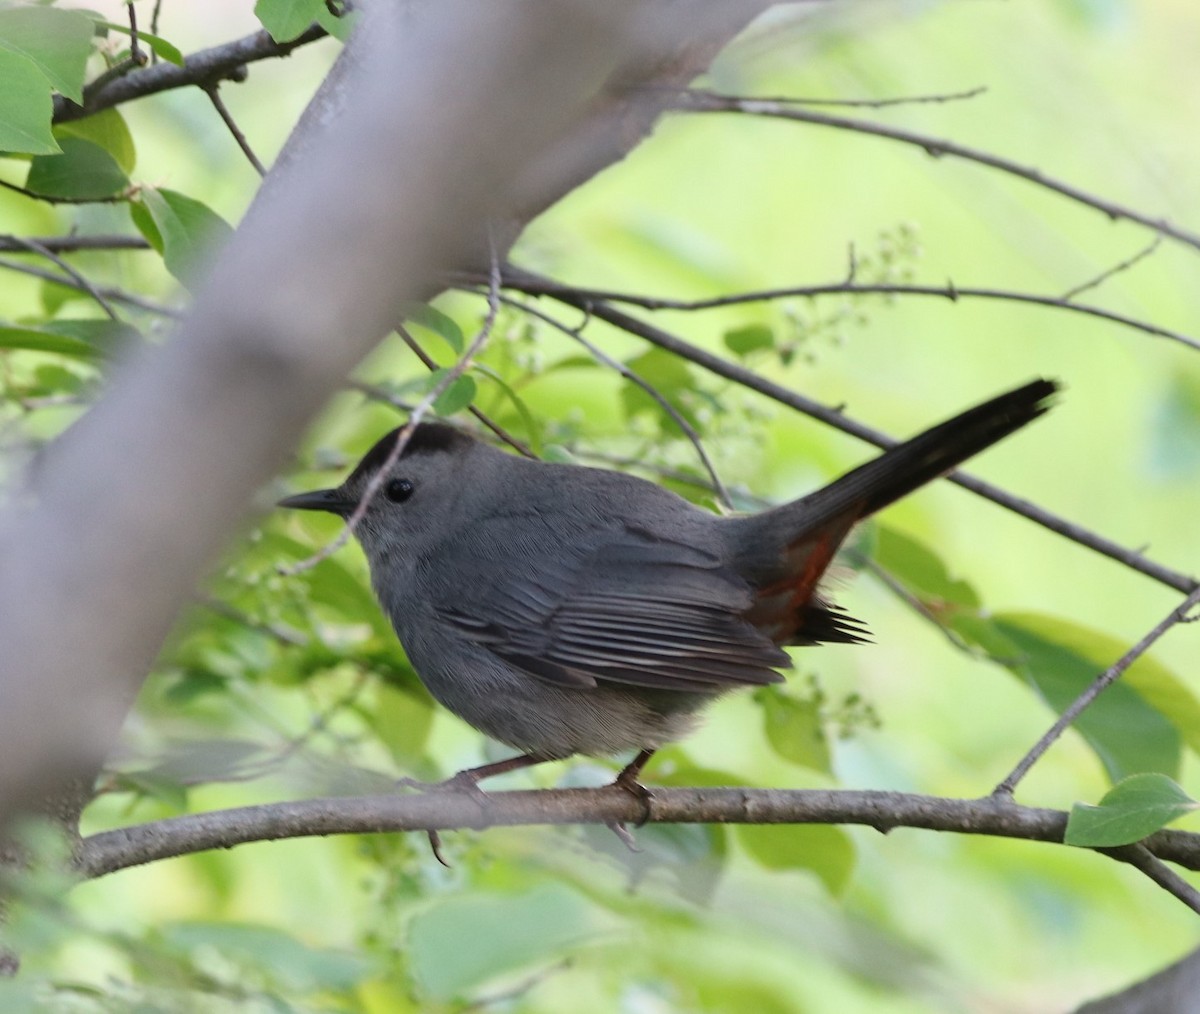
pixel 398 490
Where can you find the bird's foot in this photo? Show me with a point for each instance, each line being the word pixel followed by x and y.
pixel 628 781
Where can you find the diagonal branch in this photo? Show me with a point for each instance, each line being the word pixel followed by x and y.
pixel 224 62
pixel 710 102
pixel 1110 675
pixel 533 284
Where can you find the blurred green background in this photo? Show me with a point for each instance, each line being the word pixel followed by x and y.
pixel 1101 93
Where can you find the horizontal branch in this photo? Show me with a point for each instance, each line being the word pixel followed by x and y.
pixel 949 291
pixel 109 851
pixel 72 242
pixel 207 66
pixel 709 102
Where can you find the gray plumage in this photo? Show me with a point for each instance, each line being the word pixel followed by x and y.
pixel 562 609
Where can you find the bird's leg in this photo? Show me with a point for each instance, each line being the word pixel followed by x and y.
pixel 468 779
pixel 628 780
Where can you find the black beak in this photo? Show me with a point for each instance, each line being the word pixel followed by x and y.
pixel 331 500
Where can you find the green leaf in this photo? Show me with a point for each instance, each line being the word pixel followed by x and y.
pixel 456 397
pixel 827 852
pixel 921 571
pixel 433 319
pixel 109 131
pixel 186 232
pixel 668 375
pixel 83 172
pixel 339 27
pixel 464 941
pixel 532 432
pixel 793 728
pixel 1130 810
pixel 1138 724
pixel 39 340
pixel 401 721
pixel 741 341
pixel 105 336
pixel 286 19
pixel 164 49
pixel 26 107
pixel 58 43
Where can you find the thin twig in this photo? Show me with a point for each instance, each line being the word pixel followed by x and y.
pixel 154 26
pixel 900 100
pixel 517 445
pixel 949 291
pixel 35 247
pixel 211 90
pixel 710 102
pixel 528 282
pixel 1098 685
pixel 135 48
pixel 1116 269
pixel 1142 859
pixel 73 242
pixel 116 295
pixel 289 636
pixel 34 195
pixel 375 483
pixel 614 364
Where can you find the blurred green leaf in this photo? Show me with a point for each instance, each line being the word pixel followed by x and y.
pixel 286 19
pixel 824 851
pixel 291 964
pixel 106 337
pixel 1174 451
pixel 184 231
pixel 456 397
pixel 793 728
pixel 533 432
pixel 667 374
pixel 921 571
pixel 1138 724
pixel 84 171
pixel 1130 810
pixel 431 318
pixel 26 107
pixel 462 942
pixel 44 340
pixel 741 341
pixel 58 42
pixel 402 722
pixel 108 130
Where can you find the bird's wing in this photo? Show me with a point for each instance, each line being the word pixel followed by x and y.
pixel 638 610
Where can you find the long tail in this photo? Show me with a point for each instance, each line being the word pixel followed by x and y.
pixel 786 550
pixel 908 466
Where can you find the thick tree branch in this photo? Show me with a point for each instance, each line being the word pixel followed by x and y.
pixel 109 851
pixel 224 62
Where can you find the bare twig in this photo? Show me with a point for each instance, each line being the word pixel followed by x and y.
pixel 136 54
pixel 154 26
pixel 533 284
pixel 949 291
pixel 1110 675
pixel 34 195
pixel 72 242
pixel 1141 858
pixel 517 445
pixel 116 295
pixel 282 633
pixel 1116 269
pixel 212 91
pixel 659 398
pixel 224 62
pixel 35 247
pixel 710 102
pixel 900 100
pixel 402 437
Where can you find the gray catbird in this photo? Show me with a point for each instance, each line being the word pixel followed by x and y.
pixel 562 609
